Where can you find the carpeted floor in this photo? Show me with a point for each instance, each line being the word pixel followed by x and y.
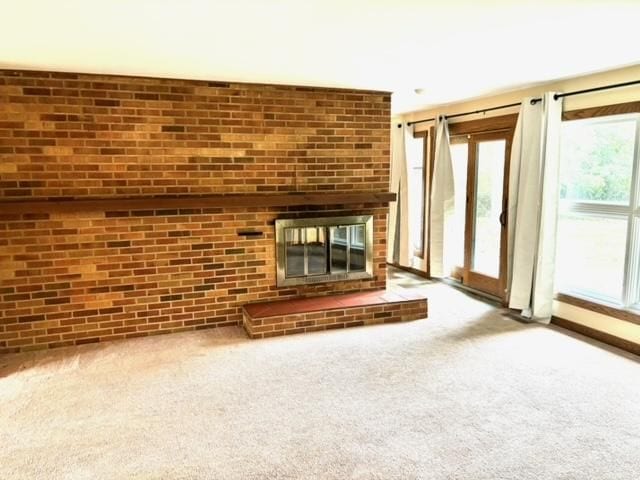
pixel 467 394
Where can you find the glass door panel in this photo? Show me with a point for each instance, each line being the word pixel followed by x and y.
pixel 294 248
pixel 487 207
pixel 454 232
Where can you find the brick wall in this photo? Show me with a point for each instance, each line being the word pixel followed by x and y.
pixel 68 135
pixel 86 276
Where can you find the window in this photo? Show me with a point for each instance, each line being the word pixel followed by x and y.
pixel 598 251
pixel 416 171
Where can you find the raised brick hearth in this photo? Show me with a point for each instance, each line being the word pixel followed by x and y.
pixel 286 317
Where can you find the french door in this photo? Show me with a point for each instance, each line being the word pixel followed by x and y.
pixel 476 239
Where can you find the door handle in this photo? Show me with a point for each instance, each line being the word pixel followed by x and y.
pixel 503 218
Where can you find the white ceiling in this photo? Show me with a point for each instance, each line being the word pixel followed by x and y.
pixel 452 49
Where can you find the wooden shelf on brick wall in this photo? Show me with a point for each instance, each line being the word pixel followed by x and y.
pixel 200 201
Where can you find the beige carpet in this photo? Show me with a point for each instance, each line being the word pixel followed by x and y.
pixel 466 394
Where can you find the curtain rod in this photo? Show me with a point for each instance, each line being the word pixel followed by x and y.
pixel 533 101
pixel 465 113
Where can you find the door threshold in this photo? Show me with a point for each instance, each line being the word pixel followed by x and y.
pixel 487 296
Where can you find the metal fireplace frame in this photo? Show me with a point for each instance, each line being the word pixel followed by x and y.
pixel 325 222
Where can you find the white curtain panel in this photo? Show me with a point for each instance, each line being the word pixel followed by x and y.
pixel 442 199
pixel 533 207
pixel 398 185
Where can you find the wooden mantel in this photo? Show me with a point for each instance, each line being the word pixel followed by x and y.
pixel 193 201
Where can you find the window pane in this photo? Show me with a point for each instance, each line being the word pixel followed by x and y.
pixel 454 234
pixel 294 244
pixel 634 272
pixel 356 248
pixel 487 208
pixel 316 250
pixel 590 255
pixel 597 160
pixel 416 212
pixel 415 163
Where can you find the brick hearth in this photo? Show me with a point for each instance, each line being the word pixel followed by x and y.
pixel 286 317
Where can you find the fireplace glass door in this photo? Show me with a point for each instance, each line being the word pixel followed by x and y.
pixel 316 251
pixel 295 251
pixel 306 251
pixel 356 248
pixel 339 242
pixel 324 249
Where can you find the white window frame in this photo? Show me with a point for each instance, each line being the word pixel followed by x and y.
pixel 631 212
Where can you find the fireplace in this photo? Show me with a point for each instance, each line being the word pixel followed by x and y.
pixel 319 250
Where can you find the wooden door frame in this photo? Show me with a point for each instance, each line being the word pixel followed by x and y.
pixel 474 279
pixel 472 134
